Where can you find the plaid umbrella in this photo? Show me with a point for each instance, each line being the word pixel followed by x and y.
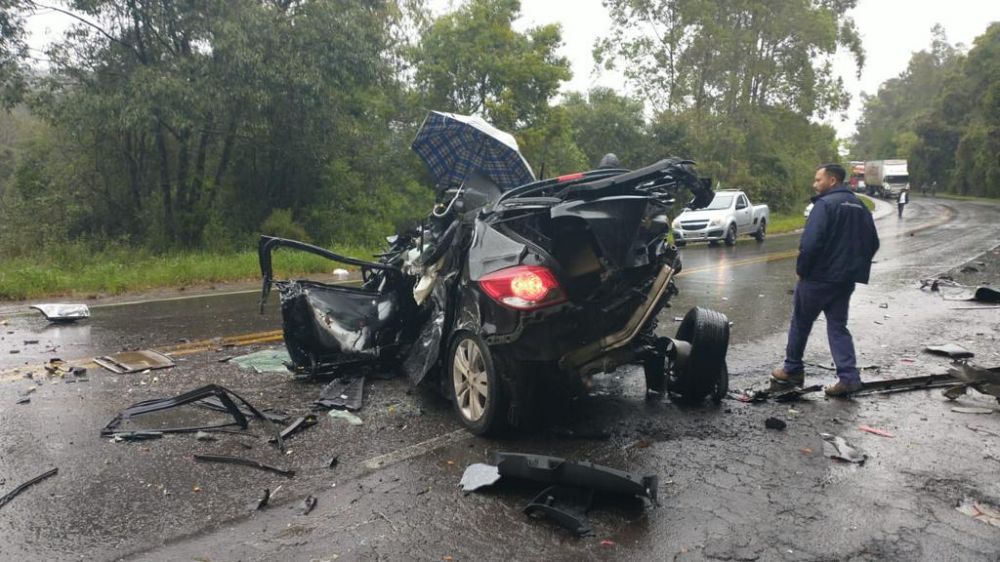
pixel 453 146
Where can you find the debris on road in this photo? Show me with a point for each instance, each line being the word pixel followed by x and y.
pixel 342 393
pixel 973 410
pixel 244 462
pixel 204 436
pixel 908 384
pixel 952 291
pixel 123 436
pixel 227 398
pixel 979 511
pixel 775 423
pixel 24 400
pixel 308 504
pixel 985 381
pixel 6 498
pixel 479 475
pixel 571 485
pixel 332 462
pixel 300 424
pixel 63 312
pixel 272 360
pixel 836 447
pixel 347 416
pixel 874 431
pixel 952 350
pixel 982 430
pixel 776 393
pixel 262 502
pixel 565 505
pixel 134 361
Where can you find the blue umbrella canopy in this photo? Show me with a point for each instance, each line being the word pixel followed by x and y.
pixel 453 146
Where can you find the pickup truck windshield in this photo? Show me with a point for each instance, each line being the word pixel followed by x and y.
pixel 721 201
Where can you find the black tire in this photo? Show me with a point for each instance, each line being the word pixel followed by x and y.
pixel 680 243
pixel 655 369
pixel 731 235
pixel 705 371
pixel 761 233
pixel 492 409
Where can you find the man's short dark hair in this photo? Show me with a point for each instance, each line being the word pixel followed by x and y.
pixel 835 170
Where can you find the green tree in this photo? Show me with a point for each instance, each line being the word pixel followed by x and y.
pixel 721 56
pixel 889 118
pixel 194 121
pixel 604 121
pixel 472 61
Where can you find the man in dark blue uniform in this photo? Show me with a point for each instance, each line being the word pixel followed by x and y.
pixel 835 252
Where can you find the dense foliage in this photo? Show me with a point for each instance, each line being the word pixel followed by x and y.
pixel 943 115
pixel 178 124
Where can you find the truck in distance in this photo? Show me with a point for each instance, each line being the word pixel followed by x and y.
pixel 886 178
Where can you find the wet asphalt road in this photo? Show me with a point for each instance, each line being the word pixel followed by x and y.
pixel 730 489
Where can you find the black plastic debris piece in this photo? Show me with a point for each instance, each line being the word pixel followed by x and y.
pixel 775 423
pixel 244 462
pixel 6 498
pixel 570 486
pixel 264 498
pixel 301 423
pixel 135 436
pixel 836 447
pixel 565 505
pixel 333 461
pixel 343 393
pixel 909 384
pixel 783 393
pixel 227 398
pixel 952 350
pixel 554 470
pixel 308 504
pixel 24 400
pixel 213 403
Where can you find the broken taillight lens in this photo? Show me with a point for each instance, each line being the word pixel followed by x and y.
pixel 524 287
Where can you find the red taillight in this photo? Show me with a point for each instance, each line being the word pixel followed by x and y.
pixel 569 177
pixel 525 287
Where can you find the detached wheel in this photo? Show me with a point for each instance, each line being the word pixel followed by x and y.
pixel 705 372
pixel 761 231
pixel 731 235
pixel 476 386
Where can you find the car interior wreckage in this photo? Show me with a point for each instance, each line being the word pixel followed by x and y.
pixel 504 286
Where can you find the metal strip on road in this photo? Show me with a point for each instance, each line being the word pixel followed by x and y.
pixel 417 449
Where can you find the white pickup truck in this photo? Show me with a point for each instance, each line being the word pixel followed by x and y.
pixel 729 215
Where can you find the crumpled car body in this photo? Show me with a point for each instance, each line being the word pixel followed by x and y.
pixel 498 289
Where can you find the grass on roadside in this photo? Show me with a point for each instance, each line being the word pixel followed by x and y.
pixel 120 271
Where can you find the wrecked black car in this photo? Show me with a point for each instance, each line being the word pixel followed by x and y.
pixel 511 286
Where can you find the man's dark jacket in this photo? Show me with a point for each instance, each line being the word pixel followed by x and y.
pixel 839 241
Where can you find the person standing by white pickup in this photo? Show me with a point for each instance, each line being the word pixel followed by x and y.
pixel 904 198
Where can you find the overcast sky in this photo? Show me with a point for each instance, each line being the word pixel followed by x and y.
pixel 891 29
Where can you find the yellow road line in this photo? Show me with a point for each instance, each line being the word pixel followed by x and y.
pixel 737 263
